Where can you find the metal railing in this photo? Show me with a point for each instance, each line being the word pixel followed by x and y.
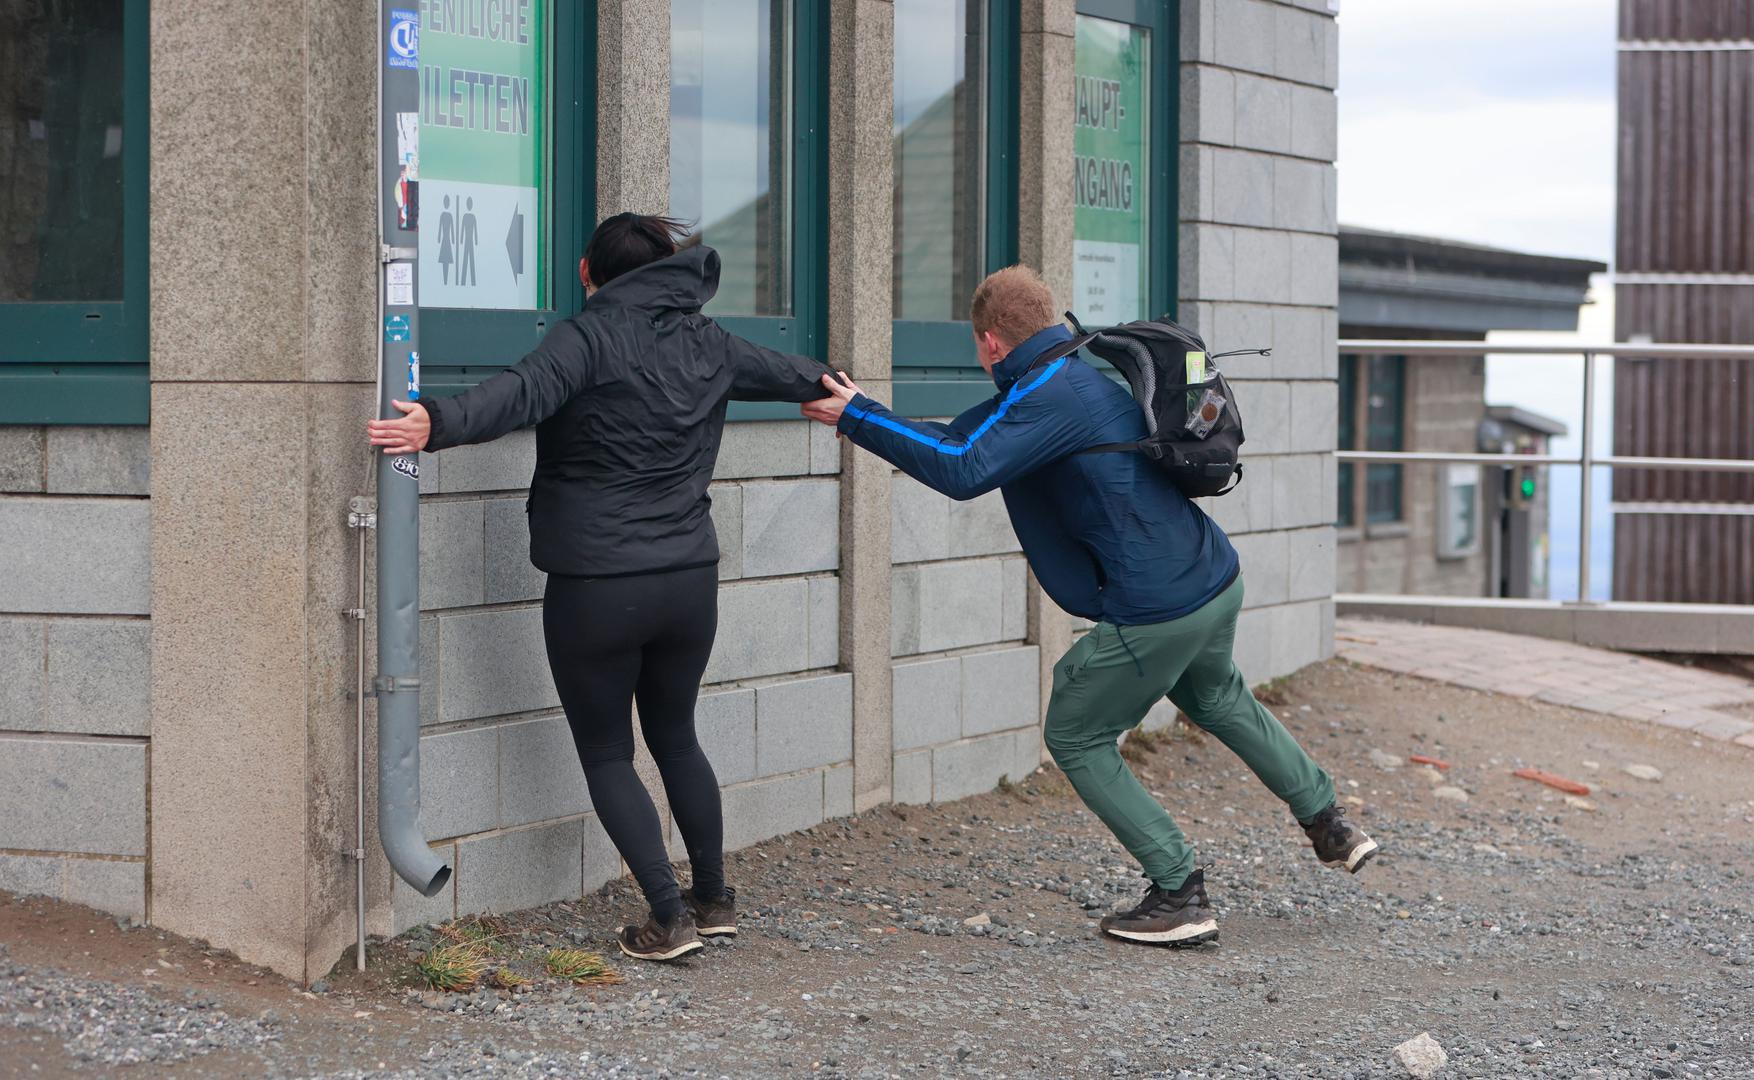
pixel 1588 460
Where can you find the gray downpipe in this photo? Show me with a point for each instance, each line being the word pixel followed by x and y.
pixel 397 686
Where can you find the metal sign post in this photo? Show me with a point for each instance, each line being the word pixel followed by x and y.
pixel 397 686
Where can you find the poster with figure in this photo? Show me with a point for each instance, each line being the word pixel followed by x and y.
pixel 1111 273
pixel 483 217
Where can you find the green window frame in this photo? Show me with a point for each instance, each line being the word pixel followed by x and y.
pixel 935 371
pixel 86 363
pixel 1385 428
pixel 1163 19
pixel 805 330
pixel 1346 437
pixel 461 347
pixel 948 387
pixel 1375 389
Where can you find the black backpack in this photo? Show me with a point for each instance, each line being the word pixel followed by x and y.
pixel 1193 427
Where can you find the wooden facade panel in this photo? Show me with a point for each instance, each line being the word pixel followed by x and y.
pixel 1684 558
pixel 1686 206
pixel 1686 20
pixel 1686 190
pixel 1684 408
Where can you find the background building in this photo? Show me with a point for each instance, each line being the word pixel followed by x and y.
pixel 183 424
pixel 1684 272
pixel 1441 530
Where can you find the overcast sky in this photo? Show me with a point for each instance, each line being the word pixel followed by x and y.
pixel 1482 120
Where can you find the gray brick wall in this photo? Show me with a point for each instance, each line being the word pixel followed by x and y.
pixel 500 781
pixel 1259 267
pixel 75 664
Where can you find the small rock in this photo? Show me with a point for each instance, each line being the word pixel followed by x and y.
pixel 1384 760
pixel 1488 849
pixel 1420 1056
pixel 1431 775
pixel 1450 793
pixel 321 986
pixel 1591 765
pixel 983 919
pixel 1643 772
pixel 1577 802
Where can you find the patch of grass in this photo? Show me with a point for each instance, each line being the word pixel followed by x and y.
pixel 1050 781
pixel 1273 693
pixel 580 967
pixel 507 979
pixel 452 967
pixel 1141 744
pixel 482 932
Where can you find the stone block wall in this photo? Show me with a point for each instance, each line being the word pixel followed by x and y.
pixel 964 682
pixel 502 792
pixel 1260 267
pixel 75 657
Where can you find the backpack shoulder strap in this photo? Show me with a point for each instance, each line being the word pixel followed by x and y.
pixel 1064 348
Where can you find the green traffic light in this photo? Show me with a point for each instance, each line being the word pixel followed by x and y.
pixel 1528 487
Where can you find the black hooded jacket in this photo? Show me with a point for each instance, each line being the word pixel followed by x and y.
pixel 628 398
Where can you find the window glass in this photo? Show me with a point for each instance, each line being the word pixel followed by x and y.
pixel 940 156
pixel 61 151
pixel 730 133
pixel 1384 429
pixel 1111 276
pixel 1347 435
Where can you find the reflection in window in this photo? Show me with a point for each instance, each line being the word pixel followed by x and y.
pixel 1384 429
pixel 1383 396
pixel 61 151
pixel 1346 438
pixel 939 156
pixel 730 129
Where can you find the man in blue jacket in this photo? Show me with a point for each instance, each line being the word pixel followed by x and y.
pixel 1111 538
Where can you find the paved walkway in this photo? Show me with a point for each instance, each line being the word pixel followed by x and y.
pixel 1596 680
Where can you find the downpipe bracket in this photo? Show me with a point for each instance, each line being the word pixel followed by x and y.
pixel 362 512
pixel 393 684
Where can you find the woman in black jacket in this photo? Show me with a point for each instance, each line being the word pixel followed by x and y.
pixel 628 398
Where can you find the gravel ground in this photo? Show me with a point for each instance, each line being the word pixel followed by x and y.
pixel 1529 935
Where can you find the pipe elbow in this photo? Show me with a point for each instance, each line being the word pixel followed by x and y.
pixel 399 796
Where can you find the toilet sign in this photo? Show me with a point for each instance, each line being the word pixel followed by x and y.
pixel 483 82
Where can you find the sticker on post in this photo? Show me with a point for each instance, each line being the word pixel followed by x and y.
pixel 407 188
pixel 407 466
pixel 399 286
pixel 403 45
pixel 413 375
pixel 396 329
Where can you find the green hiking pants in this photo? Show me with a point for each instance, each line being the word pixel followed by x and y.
pixel 1109 680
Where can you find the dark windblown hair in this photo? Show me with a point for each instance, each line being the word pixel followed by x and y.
pixel 629 241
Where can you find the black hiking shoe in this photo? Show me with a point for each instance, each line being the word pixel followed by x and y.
pixel 655 941
pixel 1338 842
pixel 1179 918
pixel 716 917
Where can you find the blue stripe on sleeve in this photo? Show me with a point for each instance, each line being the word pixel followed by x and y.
pixel 1017 394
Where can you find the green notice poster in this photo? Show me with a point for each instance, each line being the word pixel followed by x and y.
pixel 482 153
pixel 1111 269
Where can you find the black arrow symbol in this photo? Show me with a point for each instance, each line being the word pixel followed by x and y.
pixel 514 242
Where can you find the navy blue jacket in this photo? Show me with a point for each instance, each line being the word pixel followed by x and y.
pixel 1109 536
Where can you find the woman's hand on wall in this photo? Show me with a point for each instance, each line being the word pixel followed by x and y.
pixel 407 434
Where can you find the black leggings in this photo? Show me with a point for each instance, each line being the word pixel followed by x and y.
pixel 646 638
